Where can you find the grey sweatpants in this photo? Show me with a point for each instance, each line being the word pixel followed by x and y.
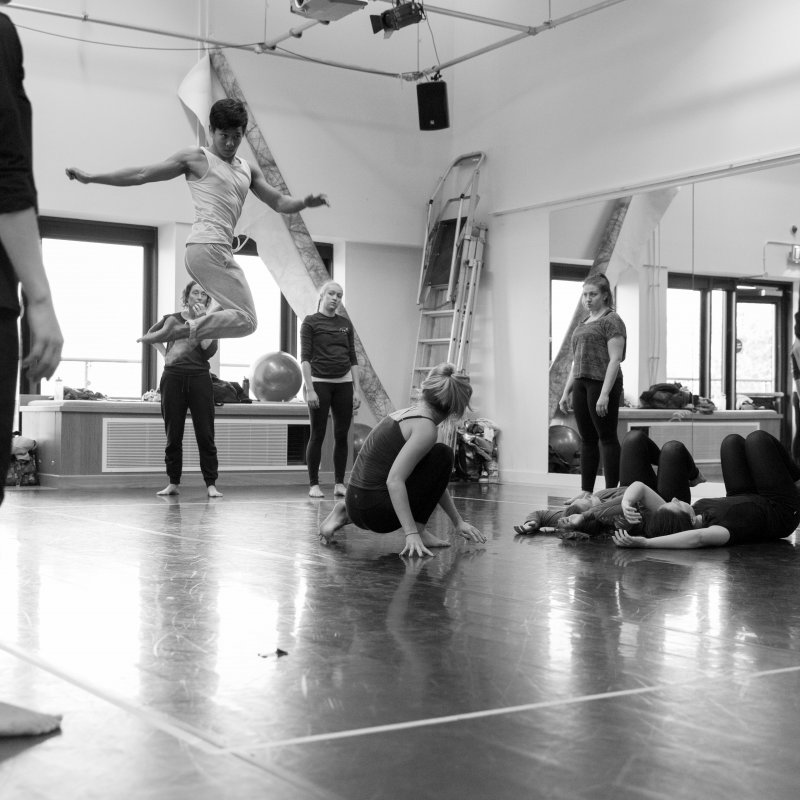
pixel 214 268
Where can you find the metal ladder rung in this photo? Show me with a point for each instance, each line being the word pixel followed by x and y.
pixel 453 235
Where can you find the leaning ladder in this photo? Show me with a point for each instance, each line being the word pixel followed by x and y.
pixel 452 262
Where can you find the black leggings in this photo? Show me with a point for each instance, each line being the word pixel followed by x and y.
pixel 676 467
pixel 372 509
pixel 638 462
pixel 760 465
pixel 336 399
pixel 598 434
pixel 179 394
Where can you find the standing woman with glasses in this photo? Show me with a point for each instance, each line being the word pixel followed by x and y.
pixel 594 387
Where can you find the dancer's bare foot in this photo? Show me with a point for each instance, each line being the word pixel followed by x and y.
pixel 213 491
pixel 429 540
pixel 315 491
pixel 340 490
pixel 171 489
pixel 333 522
pixel 171 330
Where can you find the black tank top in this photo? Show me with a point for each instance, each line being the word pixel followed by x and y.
pixel 378 453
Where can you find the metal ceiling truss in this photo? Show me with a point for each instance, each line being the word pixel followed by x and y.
pixel 269 47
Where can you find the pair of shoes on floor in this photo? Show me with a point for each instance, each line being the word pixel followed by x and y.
pixel 340 490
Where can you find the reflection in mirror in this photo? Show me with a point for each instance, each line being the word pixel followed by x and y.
pixel 705 285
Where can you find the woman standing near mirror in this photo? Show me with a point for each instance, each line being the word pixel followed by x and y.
pixel 593 390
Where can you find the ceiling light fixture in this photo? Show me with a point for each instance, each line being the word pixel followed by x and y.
pixel 326 10
pixel 399 16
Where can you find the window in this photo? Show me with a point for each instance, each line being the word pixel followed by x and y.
pixel 565 295
pixel 102 278
pixel 728 340
pixel 277 323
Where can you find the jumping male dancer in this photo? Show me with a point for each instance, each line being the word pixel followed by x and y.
pixel 218 181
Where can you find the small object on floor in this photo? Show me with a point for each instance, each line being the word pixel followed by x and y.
pixel 315 491
pixel 16 721
pixel 340 490
pixel 278 652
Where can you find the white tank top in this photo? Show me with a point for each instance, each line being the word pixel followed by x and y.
pixel 218 198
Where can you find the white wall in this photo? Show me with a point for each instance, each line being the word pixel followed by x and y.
pixel 380 285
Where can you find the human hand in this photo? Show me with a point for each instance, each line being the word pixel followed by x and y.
pixel 199 310
pixel 564 404
pixel 470 532
pixel 314 200
pixel 631 512
pixel 624 539
pixel 414 546
pixel 75 174
pixel 602 405
pixel 356 402
pixel 312 398
pixel 46 340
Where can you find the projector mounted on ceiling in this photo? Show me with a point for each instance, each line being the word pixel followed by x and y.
pixel 326 10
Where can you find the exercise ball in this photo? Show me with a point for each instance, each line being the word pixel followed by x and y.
pixel 276 376
pixel 566 443
pixel 360 433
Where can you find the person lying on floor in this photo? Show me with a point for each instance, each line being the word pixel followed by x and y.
pixel 548 519
pixel 641 461
pixel 761 503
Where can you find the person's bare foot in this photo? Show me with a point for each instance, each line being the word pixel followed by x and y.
pixel 429 540
pixel 213 491
pixel 171 330
pixel 333 522
pixel 315 491
pixel 171 489
pixel 340 490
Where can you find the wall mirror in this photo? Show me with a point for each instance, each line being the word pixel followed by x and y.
pixel 708 298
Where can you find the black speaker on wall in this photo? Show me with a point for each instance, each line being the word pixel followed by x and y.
pixel 432 106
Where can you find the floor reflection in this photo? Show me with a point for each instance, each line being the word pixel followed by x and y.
pixel 194 645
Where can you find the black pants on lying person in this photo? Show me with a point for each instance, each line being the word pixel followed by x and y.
pixel 761 504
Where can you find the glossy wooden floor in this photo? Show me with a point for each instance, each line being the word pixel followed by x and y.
pixel 528 668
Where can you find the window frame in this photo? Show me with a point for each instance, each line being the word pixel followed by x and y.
pixel 289 322
pixel 741 290
pixel 142 236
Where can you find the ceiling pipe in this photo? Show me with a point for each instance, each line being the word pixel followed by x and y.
pixel 269 47
pixel 525 32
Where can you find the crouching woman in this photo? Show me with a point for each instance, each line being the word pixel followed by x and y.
pixel 401 472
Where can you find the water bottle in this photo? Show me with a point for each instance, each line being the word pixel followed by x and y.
pixel 58 391
pixel 246 386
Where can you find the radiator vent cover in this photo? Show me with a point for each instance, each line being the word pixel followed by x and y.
pixel 137 445
pixel 701 438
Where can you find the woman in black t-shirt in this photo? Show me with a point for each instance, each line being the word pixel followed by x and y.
pixel 330 374
pixel 186 386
